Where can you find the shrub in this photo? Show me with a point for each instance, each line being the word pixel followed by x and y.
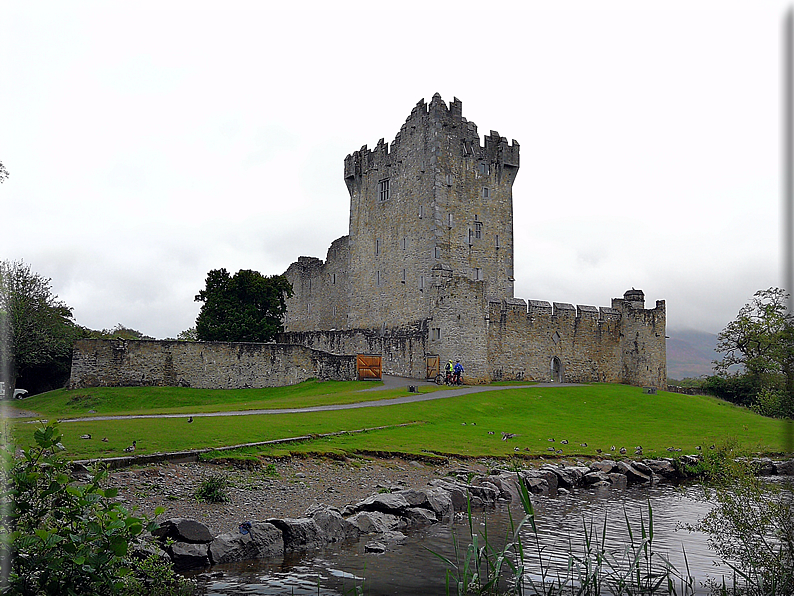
pixel 60 537
pixel 213 490
pixel 773 403
pixel 738 389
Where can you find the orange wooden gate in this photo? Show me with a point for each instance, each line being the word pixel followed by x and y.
pixel 433 366
pixel 369 367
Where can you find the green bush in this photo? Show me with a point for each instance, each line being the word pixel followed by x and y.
pixel 213 489
pixel 737 389
pixel 60 537
pixel 773 403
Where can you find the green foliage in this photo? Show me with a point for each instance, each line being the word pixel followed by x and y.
pixel 36 329
pixel 213 490
pixel 773 403
pixel 3 173
pixel 154 576
pixel 246 307
pixel 750 527
pixel 188 335
pixel 735 388
pixel 61 536
pixel 118 332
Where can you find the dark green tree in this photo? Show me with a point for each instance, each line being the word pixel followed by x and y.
pixel 36 329
pixel 761 340
pixel 245 307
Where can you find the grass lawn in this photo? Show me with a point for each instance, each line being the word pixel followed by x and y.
pixel 600 415
pixel 108 401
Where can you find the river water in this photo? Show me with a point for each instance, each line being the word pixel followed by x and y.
pixel 410 568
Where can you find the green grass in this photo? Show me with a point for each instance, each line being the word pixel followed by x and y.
pixel 600 415
pixel 105 401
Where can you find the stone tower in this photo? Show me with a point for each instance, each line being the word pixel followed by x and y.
pixel 434 204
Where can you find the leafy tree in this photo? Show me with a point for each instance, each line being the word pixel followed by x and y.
pixel 60 537
pixel 187 335
pixel 761 340
pixel 36 329
pixel 3 172
pixel 245 307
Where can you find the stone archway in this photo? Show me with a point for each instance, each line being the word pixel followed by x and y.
pixel 557 373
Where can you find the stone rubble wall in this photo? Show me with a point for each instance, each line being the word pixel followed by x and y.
pixel 203 365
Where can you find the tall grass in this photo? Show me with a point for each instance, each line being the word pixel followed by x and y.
pixel 634 568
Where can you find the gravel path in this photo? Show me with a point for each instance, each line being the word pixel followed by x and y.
pixel 278 487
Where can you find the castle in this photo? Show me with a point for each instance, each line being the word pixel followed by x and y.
pixel 425 273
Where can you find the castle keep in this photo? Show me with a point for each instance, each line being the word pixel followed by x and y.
pixel 425 273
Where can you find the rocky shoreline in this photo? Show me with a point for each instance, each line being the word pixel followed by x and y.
pixel 294 504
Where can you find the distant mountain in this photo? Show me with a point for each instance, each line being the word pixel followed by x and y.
pixel 690 353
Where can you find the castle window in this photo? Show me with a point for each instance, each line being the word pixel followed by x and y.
pixel 449 220
pixel 484 169
pixel 377 278
pixel 333 278
pixel 478 273
pixel 435 333
pixel 497 241
pixel 477 230
pixel 333 310
pixel 383 189
pixel 421 282
pixel 377 246
pixel 486 192
pixel 405 243
pixel 403 279
pixel 421 211
pixel 436 252
pixel 449 179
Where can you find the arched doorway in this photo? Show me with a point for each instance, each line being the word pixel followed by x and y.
pixel 557 375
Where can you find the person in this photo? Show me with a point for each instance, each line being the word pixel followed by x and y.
pixel 449 368
pixel 458 372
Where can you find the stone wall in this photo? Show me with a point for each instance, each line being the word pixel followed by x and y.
pixel 205 365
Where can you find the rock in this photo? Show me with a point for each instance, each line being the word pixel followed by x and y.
pixel 263 540
pixel 537 486
pixel 376 522
pixel 392 536
pixel 763 466
pixel 618 480
pixel 394 503
pixel 419 516
pixel 550 477
pixel 595 478
pixel 183 530
pixel 605 465
pixel 507 484
pixel 661 467
pixel 563 491
pixel 642 468
pixel 374 547
pixel 440 502
pixel 299 534
pixel 188 555
pixel 566 477
pixel 334 526
pixel 455 491
pixel 631 473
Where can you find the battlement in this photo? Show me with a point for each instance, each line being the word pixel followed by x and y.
pixel 494 149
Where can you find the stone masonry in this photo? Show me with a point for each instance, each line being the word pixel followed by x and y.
pixel 427 270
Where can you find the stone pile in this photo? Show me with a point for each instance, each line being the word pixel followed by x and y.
pixel 190 544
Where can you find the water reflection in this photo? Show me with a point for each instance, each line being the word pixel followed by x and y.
pixel 409 567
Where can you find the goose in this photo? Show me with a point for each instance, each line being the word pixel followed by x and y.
pixel 671 449
pixel 564 441
pixel 551 440
pixel 612 448
pixel 104 439
pixel 550 449
pixel 559 451
pixel 490 432
pixel 190 419
pixel 85 436
pixel 506 436
pixel 699 448
pixel 599 451
pixel 131 448
pixel 623 451
pixel 516 448
pixel 582 444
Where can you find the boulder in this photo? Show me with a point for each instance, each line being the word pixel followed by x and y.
pixel 642 468
pixel 182 529
pixel 299 534
pixel 631 473
pixel 261 540
pixel 550 477
pixel 189 555
pixel 456 493
pixel 595 477
pixel 394 503
pixel 661 467
pixel 376 522
pixel 785 468
pixel 763 466
pixel 537 486
pixel 605 465
pixel 618 480
pixel 507 484
pixel 566 477
pixel 334 527
pixel 419 516
pixel 374 547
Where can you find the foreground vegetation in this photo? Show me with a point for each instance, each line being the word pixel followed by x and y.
pixel 588 417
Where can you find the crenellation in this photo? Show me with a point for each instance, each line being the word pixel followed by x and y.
pixel 590 312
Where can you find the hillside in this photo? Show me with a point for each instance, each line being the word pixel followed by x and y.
pixel 690 353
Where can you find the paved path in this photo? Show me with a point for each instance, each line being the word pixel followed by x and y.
pixel 389 382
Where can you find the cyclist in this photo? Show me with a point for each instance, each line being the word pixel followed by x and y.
pixel 449 369
pixel 458 372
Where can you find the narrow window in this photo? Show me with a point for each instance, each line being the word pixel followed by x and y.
pixel 449 220
pixel 403 280
pixel 383 189
pixel 377 278
pixel 486 192
pixel 477 230
pixel 333 278
pixel 497 241
pixel 405 243
pixel 449 179
pixel 436 252
pixel 421 282
pixel 377 246
pixel 435 333
pixel 308 309
pixel 310 285
pixel 333 310
pixel 484 168
pixel 478 273
pixel 421 211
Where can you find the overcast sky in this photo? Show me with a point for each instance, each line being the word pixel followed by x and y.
pixel 149 145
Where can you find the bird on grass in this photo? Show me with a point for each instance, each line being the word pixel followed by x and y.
pixel 551 440
pixel 599 451
pixel 131 448
pixel 638 451
pixel 506 436
pixel 623 451
pixel 699 448
pixel 85 436
pixel 104 439
pixel 564 441
pixel 550 449
pixel 190 419
pixel 559 451
pixel 516 448
pixel 612 448
pixel 582 444
pixel 490 432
